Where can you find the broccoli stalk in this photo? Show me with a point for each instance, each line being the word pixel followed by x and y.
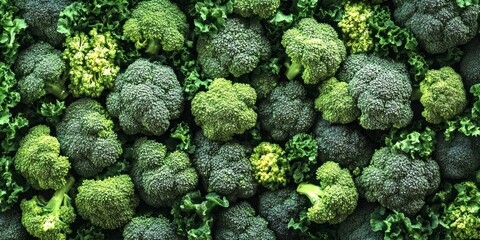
pixel 57 89
pixel 293 69
pixel 311 191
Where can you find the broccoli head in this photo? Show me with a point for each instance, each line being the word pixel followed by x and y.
pixel 11 225
pixel 86 136
pixel 335 102
pixel 357 225
pixel 40 70
pixel 160 177
pixel 381 89
pixel 224 168
pixel 355 28
pixel 239 222
pixel 279 207
pixel 270 166
pixel 443 95
pixel 287 111
pixel 334 199
pixel 108 203
pixel 146 97
pixel 458 157
pixel 39 161
pixel 469 68
pixel 225 109
pixel 438 24
pixel 264 83
pixel 261 8
pixel 398 182
pixel 342 144
pixel 49 220
pixel 150 228
pixel 315 48
pixel 236 49
pixel 155 25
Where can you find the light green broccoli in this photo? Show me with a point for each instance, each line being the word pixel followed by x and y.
pixel 270 167
pixel 261 8
pixel 335 102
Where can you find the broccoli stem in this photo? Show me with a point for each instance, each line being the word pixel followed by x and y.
pixel 57 200
pixel 153 47
pixel 58 90
pixel 312 191
pixel 293 69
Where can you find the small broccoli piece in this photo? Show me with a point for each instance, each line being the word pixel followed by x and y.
pixel 357 225
pixel 335 198
pixel 343 145
pixel 398 182
pixel 381 89
pixel 438 25
pixel 225 109
pixel 335 102
pixel 287 111
pixel 40 70
pixel 278 208
pixel 443 95
pixel 264 83
pixel 86 136
pixel 108 203
pixel 224 168
pixel 302 152
pixel 146 97
pixel 158 177
pixel 314 47
pixel 458 157
pixel 355 28
pixel 49 220
pixel 239 222
pixel 39 161
pixel 11 225
pixel 150 228
pixel 237 49
pixel 469 68
pixel 155 25
pixel 270 167
pixel 261 8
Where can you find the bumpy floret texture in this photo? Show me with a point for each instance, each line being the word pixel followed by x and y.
pixel 438 24
pixel 459 157
pixel 225 109
pixel 398 182
pixel 261 8
pixel 150 228
pixel 270 165
pixel 469 68
pixel 381 89
pixel 11 225
pixel 158 177
pixel 335 102
pixel 357 225
pixel 86 136
pixel 355 27
pixel 287 111
pixel 264 83
pixel 236 49
pixel 146 97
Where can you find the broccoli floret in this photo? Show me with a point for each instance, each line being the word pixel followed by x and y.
pixel 438 24
pixel 335 102
pixel 261 8
pixel 40 70
pixel 49 220
pixel 264 83
pixel 11 225
pixel 224 168
pixel 155 25
pixel 150 228
pixel 39 161
pixel 158 177
pixel 315 48
pixel 398 182
pixel 236 49
pixel 357 225
pixel 469 68
pixel 270 167
pixel 458 157
pixel 146 97
pixel 443 95
pixel 381 89
pixel 278 208
pixel 240 223
pixel 225 109
pixel 108 203
pixel 86 136
pixel 287 111
pixel 343 145
pixel 334 199
pixel 355 28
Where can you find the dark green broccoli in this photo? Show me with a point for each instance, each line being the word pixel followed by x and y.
pixel 335 102
pixel 438 25
pixel 314 48
pixel 264 83
pixel 279 207
pixel 237 49
pixel 160 177
pixel 261 8
pixel 343 145
pixel 270 166
pixel 458 157
pixel 381 89
pixel 39 161
pixel 469 68
pixel 398 182
pixel 40 70
pixel 49 220
pixel 11 225
pixel 155 25
pixel 225 109
pixel 224 168
pixel 108 203
pixel 239 222
pixel 150 228
pixel 86 136
pixel 287 111
pixel 357 225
